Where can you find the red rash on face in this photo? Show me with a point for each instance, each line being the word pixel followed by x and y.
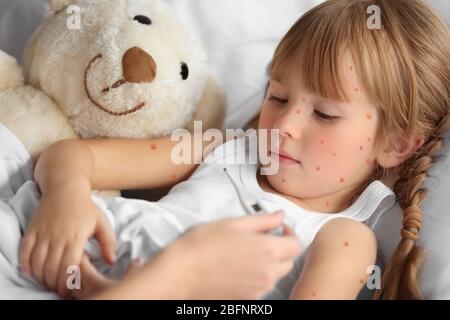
pixel 341 180
pixel 369 115
pixel 283 180
pixel 361 147
pixel 346 243
pixel 298 111
pixel 153 146
pixel 322 142
pixel 334 154
pixel 318 168
pixel 361 280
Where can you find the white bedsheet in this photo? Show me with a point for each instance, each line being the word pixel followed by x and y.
pixel 19 198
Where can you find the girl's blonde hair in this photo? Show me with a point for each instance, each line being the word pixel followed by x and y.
pixel 404 67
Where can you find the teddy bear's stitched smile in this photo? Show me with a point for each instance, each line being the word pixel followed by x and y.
pixel 115 85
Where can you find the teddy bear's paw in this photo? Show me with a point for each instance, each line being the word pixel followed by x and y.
pixel 11 75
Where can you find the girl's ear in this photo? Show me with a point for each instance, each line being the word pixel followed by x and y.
pixel 399 150
pixel 57 5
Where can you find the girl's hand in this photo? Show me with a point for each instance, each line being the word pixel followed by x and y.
pixel 57 233
pixel 93 282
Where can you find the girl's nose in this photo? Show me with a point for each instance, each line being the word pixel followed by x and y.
pixel 289 124
pixel 285 134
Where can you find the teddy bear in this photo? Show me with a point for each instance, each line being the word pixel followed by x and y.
pixel 108 68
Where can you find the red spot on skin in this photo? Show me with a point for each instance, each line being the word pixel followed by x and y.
pixel 327 204
pixel 303 99
pixel 341 180
pixel 322 142
pixel 351 68
pixel 334 154
pixel 153 146
pixel 361 280
pixel 361 147
pixel 346 244
pixel 368 161
pixel 309 120
pixel 298 111
pixel 174 176
pixel 318 168
pixel 356 90
pixel 369 139
pixel 313 294
pixel 283 180
pixel 369 115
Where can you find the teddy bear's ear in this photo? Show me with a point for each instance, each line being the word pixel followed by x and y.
pixel 56 5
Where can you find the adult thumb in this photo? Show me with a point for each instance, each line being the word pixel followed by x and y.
pixel 261 222
pixel 106 238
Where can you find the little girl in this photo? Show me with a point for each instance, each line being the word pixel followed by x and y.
pixel 360 112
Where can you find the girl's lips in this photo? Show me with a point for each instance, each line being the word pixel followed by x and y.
pixel 284 159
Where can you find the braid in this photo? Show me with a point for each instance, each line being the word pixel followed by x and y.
pixel 400 277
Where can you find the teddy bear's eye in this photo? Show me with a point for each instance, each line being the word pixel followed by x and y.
pixel 143 20
pixel 184 71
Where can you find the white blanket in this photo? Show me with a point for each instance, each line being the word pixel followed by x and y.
pixel 20 196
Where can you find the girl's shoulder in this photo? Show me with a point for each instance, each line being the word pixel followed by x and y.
pixel 340 255
pixel 347 238
pixel 346 229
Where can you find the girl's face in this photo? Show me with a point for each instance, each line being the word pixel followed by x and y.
pixel 331 144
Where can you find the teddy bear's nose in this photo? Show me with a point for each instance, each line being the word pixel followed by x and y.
pixel 138 66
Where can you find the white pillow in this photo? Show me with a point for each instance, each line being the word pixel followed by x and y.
pixel 435 233
pixel 18 20
pixel 240 38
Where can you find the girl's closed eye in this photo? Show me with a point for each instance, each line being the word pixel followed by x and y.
pixel 278 100
pixel 324 117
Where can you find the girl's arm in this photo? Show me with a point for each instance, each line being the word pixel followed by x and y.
pixel 115 163
pixel 336 266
